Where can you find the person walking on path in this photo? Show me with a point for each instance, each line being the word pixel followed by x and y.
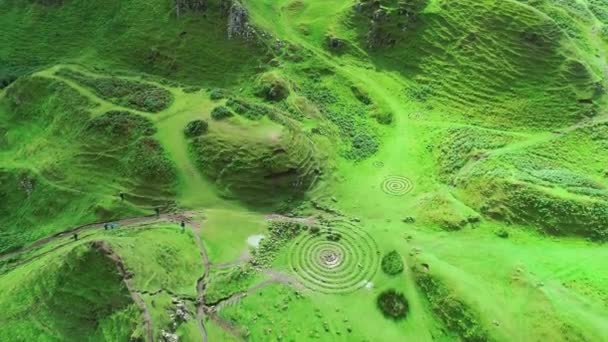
pixel 157 210
pixel 183 225
pixel 75 236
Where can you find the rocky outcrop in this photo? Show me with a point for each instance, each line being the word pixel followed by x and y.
pixel 334 43
pixel 238 22
pixel 183 6
pixel 166 336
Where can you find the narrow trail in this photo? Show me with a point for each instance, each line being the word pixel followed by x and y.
pixel 127 276
pixel 241 260
pixel 127 223
pixel 275 277
pixel 201 283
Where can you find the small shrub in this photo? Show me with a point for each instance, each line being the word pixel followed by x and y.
pixel 121 125
pixel 363 146
pixel 383 117
pixel 147 159
pixel 393 304
pixel 272 88
pixel 196 128
pixel 137 95
pixel 334 237
pixel 361 95
pixel 249 110
pixel 502 233
pixel 392 263
pixel 218 94
pixel 221 112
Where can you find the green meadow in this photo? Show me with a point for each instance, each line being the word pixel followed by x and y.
pixel 295 170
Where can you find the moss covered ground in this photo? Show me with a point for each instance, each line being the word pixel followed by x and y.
pixel 267 169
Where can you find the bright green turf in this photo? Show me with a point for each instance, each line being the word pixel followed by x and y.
pixel 482 105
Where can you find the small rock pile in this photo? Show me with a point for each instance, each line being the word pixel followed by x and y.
pixel 168 337
pixel 180 315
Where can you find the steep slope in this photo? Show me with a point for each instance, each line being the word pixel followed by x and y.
pixel 58 159
pixel 141 36
pixel 498 63
pixel 77 296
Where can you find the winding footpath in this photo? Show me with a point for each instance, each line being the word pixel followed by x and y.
pixel 105 248
pixel 127 223
pixel 201 283
pixel 88 231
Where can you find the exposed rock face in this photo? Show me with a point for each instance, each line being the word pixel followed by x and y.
pixel 180 315
pixel 334 43
pixel 238 22
pixel 182 6
pixel 166 336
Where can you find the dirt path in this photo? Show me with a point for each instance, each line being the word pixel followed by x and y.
pixel 275 277
pixel 201 283
pixel 124 224
pixel 244 258
pixel 107 250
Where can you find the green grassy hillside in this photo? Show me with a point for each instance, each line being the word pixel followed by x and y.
pixel 337 170
pixel 74 297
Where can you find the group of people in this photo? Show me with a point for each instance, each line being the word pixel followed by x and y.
pixel 111 226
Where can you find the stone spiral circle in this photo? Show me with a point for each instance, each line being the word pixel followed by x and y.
pixel 396 185
pixel 340 266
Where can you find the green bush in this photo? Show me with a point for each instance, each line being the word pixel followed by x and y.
pixel 141 96
pixel 196 128
pixel 392 263
pixel 121 125
pixel 221 112
pixel 272 88
pixel 393 304
pixel 363 146
pixel 147 159
pixel 249 110
pixel 457 316
pixel 361 95
pixel 218 94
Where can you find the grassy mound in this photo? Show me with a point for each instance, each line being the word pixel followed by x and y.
pixel 446 211
pixel 272 87
pixel 543 182
pixel 80 171
pixel 192 47
pixel 196 128
pixel 136 95
pixel 393 304
pixel 503 63
pixel 392 263
pixel 245 166
pixel 454 313
pixel 75 297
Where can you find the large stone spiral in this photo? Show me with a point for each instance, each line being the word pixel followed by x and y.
pixel 397 185
pixel 335 266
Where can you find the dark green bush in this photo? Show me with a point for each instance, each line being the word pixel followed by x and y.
pixel 147 159
pixel 196 128
pixel 363 146
pixel 121 125
pixel 220 112
pixel 361 95
pixel 272 88
pixel 392 263
pixel 393 304
pixel 218 94
pixel 137 95
pixel 249 110
pixel 502 233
